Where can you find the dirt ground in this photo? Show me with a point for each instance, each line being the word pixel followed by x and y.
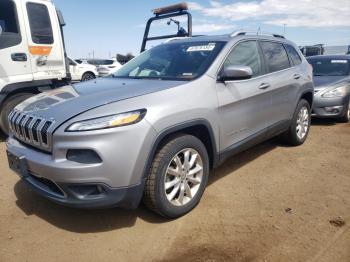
pixel 271 203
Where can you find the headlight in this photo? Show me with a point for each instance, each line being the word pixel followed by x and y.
pixel 337 92
pixel 110 121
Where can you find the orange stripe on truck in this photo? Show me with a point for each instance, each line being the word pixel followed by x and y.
pixel 40 50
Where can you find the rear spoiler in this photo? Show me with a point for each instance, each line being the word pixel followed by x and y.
pixel 165 13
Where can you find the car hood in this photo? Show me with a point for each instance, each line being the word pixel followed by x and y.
pixel 66 102
pixel 322 82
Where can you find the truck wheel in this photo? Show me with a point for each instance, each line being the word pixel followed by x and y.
pixel 9 104
pixel 300 126
pixel 178 177
pixel 346 117
pixel 87 76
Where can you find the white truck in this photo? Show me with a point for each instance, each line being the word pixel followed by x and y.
pixel 32 52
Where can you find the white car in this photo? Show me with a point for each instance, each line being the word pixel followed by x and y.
pixel 82 72
pixel 108 67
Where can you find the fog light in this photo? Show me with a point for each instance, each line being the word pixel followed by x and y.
pixel 333 109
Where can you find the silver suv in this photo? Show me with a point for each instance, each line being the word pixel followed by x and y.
pixel 155 129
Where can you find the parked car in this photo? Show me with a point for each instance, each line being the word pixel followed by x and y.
pixel 82 72
pixel 32 52
pixel 332 86
pixel 156 128
pixel 108 67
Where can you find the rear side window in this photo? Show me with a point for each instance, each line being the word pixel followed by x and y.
pixel 245 54
pixel 10 33
pixel 40 24
pixel 275 56
pixel 293 55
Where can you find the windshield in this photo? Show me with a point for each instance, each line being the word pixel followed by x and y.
pixel 172 61
pixel 330 67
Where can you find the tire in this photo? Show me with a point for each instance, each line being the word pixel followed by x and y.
pixel 9 104
pixel 88 76
pixel 346 117
pixel 156 197
pixel 296 134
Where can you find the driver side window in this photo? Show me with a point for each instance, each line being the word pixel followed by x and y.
pixel 245 54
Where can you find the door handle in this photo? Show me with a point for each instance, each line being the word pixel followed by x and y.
pixel 296 76
pixel 264 86
pixel 19 57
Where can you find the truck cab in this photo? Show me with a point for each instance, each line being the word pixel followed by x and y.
pixel 32 52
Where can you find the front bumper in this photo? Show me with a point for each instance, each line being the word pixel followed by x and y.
pixel 329 107
pixel 117 181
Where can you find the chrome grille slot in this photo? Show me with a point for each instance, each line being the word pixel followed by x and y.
pixel 35 130
pixel 32 130
pixel 26 128
pixel 44 132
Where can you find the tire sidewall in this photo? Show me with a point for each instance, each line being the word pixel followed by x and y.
pixel 181 143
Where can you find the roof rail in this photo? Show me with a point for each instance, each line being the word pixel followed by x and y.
pixel 242 32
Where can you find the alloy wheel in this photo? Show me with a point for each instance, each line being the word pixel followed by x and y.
pixel 183 177
pixel 303 123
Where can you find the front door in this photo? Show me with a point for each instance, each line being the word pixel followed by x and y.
pixel 244 105
pixel 45 41
pixel 14 56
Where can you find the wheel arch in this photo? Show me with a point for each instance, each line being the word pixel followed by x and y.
pixel 308 96
pixel 199 128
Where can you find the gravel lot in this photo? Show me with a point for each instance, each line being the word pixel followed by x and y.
pixel 271 203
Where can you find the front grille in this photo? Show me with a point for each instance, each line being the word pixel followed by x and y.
pixel 31 130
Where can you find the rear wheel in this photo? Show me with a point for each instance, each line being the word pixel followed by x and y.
pixel 8 105
pixel 87 76
pixel 300 126
pixel 178 177
pixel 346 117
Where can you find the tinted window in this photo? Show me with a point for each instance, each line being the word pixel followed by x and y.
pixel 40 24
pixel 275 56
pixel 330 67
pixel 293 55
pixel 246 54
pixel 172 61
pixel 10 35
pixel 100 61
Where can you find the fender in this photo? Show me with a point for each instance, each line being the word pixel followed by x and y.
pixel 177 128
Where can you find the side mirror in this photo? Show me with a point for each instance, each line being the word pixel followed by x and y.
pixel 236 73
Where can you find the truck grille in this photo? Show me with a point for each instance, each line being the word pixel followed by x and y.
pixel 31 130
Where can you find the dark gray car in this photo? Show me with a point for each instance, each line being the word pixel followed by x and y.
pixel 167 117
pixel 332 86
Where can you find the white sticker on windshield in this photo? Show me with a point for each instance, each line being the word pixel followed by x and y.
pixel 339 61
pixel 208 47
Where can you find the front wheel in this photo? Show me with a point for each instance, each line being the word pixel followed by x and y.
pixel 9 104
pixel 346 117
pixel 178 177
pixel 300 126
pixel 87 76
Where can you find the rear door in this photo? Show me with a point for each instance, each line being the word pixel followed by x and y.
pixel 244 105
pixel 14 56
pixel 284 80
pixel 45 41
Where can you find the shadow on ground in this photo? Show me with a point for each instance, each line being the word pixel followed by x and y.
pixel 323 122
pixel 2 137
pixel 89 221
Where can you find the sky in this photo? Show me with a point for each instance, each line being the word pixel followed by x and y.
pixel 106 27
